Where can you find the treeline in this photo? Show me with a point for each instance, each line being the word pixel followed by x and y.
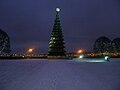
pixel 101 45
pixel 104 44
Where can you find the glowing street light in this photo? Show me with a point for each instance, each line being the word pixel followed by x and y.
pixel 80 51
pixel 30 50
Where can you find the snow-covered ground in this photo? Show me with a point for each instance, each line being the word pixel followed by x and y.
pixel 59 75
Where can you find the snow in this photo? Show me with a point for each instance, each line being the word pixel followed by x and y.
pixel 59 75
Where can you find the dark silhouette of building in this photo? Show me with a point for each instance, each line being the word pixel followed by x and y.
pixel 56 44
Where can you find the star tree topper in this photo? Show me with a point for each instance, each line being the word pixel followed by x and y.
pixel 57 9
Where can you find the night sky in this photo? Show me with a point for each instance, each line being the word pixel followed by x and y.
pixel 29 23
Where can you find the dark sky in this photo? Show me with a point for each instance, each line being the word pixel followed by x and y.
pixel 29 22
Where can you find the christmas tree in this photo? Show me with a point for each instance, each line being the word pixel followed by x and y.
pixel 56 44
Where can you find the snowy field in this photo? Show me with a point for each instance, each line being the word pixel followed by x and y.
pixel 59 75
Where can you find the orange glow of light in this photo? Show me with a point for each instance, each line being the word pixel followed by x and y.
pixel 80 51
pixel 30 50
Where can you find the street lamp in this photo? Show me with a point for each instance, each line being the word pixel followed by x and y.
pixel 80 51
pixel 30 50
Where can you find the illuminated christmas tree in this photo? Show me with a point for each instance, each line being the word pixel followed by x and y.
pixel 56 44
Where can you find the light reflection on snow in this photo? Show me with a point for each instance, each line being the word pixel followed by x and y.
pixel 89 60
